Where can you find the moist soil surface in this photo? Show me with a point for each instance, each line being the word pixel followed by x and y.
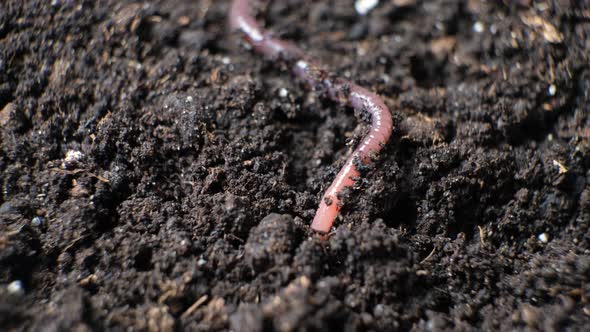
pixel 156 175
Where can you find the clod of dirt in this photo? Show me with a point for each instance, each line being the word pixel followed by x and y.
pixel 271 242
pixel 72 307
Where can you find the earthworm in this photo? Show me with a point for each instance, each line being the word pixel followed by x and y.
pixel 337 89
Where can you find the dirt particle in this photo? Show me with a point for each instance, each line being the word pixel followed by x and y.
pixel 248 318
pixel 160 320
pixel 271 242
pixel 6 113
pixel 529 315
pixel 544 27
pixel 289 306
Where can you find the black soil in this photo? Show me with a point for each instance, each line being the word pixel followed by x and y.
pixel 156 175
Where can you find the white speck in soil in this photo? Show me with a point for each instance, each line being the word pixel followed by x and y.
pixel 283 93
pixel 72 159
pixel 16 288
pixel 37 221
pixel 478 27
pixel 189 99
pixel 362 7
pixel 543 237
pixel 552 90
pixel 73 156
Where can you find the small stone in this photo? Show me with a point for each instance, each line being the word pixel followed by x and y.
pixel 283 93
pixel 552 90
pixel 363 7
pixel 189 99
pixel 543 237
pixel 72 159
pixel 37 221
pixel 201 261
pixel 16 288
pixel 478 27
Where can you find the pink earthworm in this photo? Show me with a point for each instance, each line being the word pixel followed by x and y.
pixel 337 89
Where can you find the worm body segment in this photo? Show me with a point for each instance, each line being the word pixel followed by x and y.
pixel 335 88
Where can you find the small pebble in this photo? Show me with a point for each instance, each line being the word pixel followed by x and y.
pixel 543 237
pixel 72 158
pixel 225 60
pixel 37 221
pixel 362 7
pixel 189 99
pixel 16 288
pixel 283 93
pixel 201 262
pixel 552 90
pixel 478 27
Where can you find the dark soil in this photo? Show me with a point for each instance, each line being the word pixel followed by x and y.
pixel 155 177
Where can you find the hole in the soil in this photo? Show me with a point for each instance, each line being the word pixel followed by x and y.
pixel 404 212
pixel 143 259
pixel 465 224
pixel 427 70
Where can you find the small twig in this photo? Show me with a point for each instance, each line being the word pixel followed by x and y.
pixel 80 170
pixel 195 306
pixel 235 237
pixel 429 255
pixel 75 242
pixel 67 171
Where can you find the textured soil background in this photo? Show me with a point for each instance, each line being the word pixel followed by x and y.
pixel 156 175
